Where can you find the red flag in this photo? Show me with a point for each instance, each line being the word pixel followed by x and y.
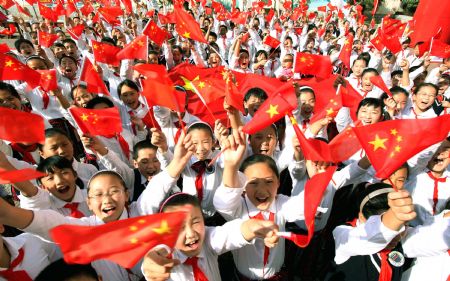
pixel 8 177
pixel 378 81
pixel 128 6
pixel 424 47
pixel 46 39
pixel 76 31
pixel 48 80
pixel 4 48
pixel 322 9
pixel 133 238
pixel 314 190
pixel 372 23
pixel 187 26
pixel 27 128
pixel 22 10
pixel 429 17
pixel 317 65
pixel 97 122
pixel 391 42
pixel 270 15
pixel 150 13
pixel 287 5
pixel 377 42
pixel 9 31
pixel 391 143
pixel 158 88
pixel 271 42
pixel 12 69
pixel 136 49
pixel 166 19
pixel 70 8
pixel 344 145
pixel 351 99
pixel 439 49
pixel 110 14
pixel 375 7
pixel 346 51
pixel 233 97
pixel 331 109
pixel 209 89
pixel 6 4
pixel 87 9
pixel 93 80
pixel 48 13
pixel 272 110
pixel 155 33
pixel 239 17
pixel 106 53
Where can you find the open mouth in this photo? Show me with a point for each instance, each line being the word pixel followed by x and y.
pixel 264 151
pixel 63 189
pixel 193 245
pixel 262 199
pixel 108 210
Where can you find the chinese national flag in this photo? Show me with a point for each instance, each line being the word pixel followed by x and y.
pixel 132 237
pixel 110 14
pixel 391 42
pixel 344 145
pixel 271 42
pixel 105 53
pixel 48 13
pixel 93 80
pixel 23 10
pixel 270 15
pixel 209 90
pixel 351 99
pixel 4 48
pixel 97 122
pixel 239 17
pixel 272 110
pixel 12 69
pixel 322 9
pixel 314 190
pixel 439 49
pixel 378 81
pixel 317 65
pixel 391 143
pixel 128 6
pixel 70 8
pixel 429 17
pixel 76 31
pixel 9 31
pixel 187 26
pixel 159 89
pixel 346 51
pixel 166 19
pixel 377 42
pixel 46 39
pixel 13 176
pixel 87 9
pixel 26 128
pixel 48 80
pixel 233 97
pixel 155 33
pixel 136 49
pixel 331 109
pixel 6 4
pixel 424 47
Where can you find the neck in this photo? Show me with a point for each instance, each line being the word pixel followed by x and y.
pixel 417 110
pixel 437 174
pixel 5 256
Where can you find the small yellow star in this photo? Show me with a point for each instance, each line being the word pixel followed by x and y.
pixel 9 63
pixel 303 59
pixel 84 117
pixel 201 85
pixel 133 228
pixel 134 240
pixel 188 84
pixel 330 111
pixel 394 132
pixel 163 228
pixel 378 143
pixel 273 110
pixel 293 120
pixel 140 43
pixel 397 148
pixel 141 221
pixel 399 138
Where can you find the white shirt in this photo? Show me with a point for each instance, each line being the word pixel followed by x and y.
pixel 409 113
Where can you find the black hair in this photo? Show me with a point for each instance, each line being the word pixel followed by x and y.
pixel 62 271
pixel 376 103
pixel 69 40
pixel 108 40
pixel 69 57
pixel 244 51
pixel 107 173
pixel 51 132
pixel 200 126
pixel 128 83
pixel 364 56
pixel 260 158
pixel 376 205
pixel 58 45
pixel 152 52
pixel 255 92
pixel 417 89
pixel 99 100
pixel 369 70
pixel 142 145
pixel 396 72
pixel 21 41
pixel 79 86
pixel 261 52
pixel 49 164
pixel 36 57
pixel 395 90
pixel 177 47
pixel 305 90
pixel 180 199
pixel 360 58
pixel 213 34
pixel 10 89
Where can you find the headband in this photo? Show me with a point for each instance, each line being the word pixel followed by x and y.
pixel 374 194
pixel 169 198
pixel 106 172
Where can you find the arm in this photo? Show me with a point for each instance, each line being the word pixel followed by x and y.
pixel 26 188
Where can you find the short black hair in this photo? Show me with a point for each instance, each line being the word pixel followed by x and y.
pixel 376 205
pixel 376 103
pixel 49 164
pixel 69 57
pixel 142 145
pixel 200 126
pixel 21 41
pixel 9 88
pixel 79 86
pixel 420 86
pixel 51 132
pixel 99 100
pixel 260 158
pixel 395 90
pixel 108 40
pixel 255 92
pixel 180 199
pixel 69 40
pixel 107 173
pixel 213 34
pixel 364 56
pixel 128 83
pixel 369 70
pixel 62 271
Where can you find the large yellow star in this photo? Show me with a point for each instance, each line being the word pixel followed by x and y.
pixel 378 143
pixel 9 63
pixel 84 117
pixel 188 83
pixel 394 132
pixel 330 111
pixel 163 228
pixel 187 34
pixel 134 240
pixel 293 120
pixel 273 110
pixel 140 43
pixel 303 59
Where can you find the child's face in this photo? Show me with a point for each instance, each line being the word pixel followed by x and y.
pixel 252 104
pixel 398 178
pixel 202 140
pixel 287 61
pixel 59 52
pixel 368 114
pixel 424 98
pixel 177 56
pixel 440 160
pixel 401 99
pixel 152 59
pixel 307 102
pixel 315 167
pixel 82 97
pixel 26 49
pixel 191 237
pixel 366 84
pixel 262 185
pixel 68 68
pixel 264 141
pixel 10 101
pixel 107 197
pixel 358 67
pixel 243 60
pixel 130 97
pixel 60 183
pixel 214 60
pixel 147 163
pixel 71 49
pixel 57 145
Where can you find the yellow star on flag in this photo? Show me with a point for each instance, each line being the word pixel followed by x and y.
pixel 303 59
pixel 273 110
pixel 201 85
pixel 134 240
pixel 188 83
pixel 378 143
pixel 397 148
pixel 84 117
pixel 163 228
pixel 187 34
pixel 394 132
pixel 330 111
pixel 9 63
pixel 133 228
pixel 293 120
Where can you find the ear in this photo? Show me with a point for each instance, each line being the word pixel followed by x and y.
pixel 2 228
pixel 361 217
pixel 135 163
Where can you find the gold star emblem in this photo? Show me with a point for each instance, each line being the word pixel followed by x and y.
pixel 163 228
pixel 273 110
pixel 303 59
pixel 188 84
pixel 378 143
pixel 187 34
pixel 95 46
pixel 141 221
pixel 399 138
pixel 330 111
pixel 134 240
pixel 293 120
pixel 201 85
pixel 9 63
pixel 394 132
pixel 84 117
pixel 397 148
pixel 140 43
pixel 49 77
pixel 133 228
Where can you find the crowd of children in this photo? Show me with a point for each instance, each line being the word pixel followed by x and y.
pixel 241 192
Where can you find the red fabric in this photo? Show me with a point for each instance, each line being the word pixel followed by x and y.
pixel 155 33
pixel 105 53
pixel 429 17
pixel 322 9
pixel 317 65
pixel 180 127
pixel 233 96
pixel 199 167
pixel 48 81
pixel 378 81
pixel 331 109
pixel 123 145
pixel 375 7
pixel 385 269
pixel 209 90
pixel 22 10
pixel 166 19
pixel 25 151
pixel 133 238
pixel 391 42
pixel 12 69
pixel 351 99
pixel 19 275
pixel 198 273
pixel 6 4
pixel 128 6
pixel 187 26
pixel 346 51
pixel 239 17
pixel 271 42
pixel 70 8
pixel 270 15
pixel 48 13
pixel 136 49
pixel 344 145
pixel 272 110
pixel 19 175
pixel 150 121
pixel 377 43
pixel 260 216
pixel 435 189
pixel 391 143
pixel 93 80
pixel 87 9
pixel 46 39
pixel 440 49
pixel 74 212
pixel 76 31
pixel 4 48
pixel 45 99
pixel 26 128
pixel 97 122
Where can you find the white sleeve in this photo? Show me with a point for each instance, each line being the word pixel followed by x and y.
pixel 164 158
pixel 162 115
pixel 365 239
pixel 347 175
pixel 227 237
pixel 228 200
pixel 40 201
pixel 112 162
pixel 293 208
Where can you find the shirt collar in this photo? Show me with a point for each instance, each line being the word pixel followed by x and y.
pixel 253 211
pixel 78 197
pixel 13 246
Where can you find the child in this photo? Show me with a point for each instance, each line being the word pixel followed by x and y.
pixel 260 64
pixel 197 247
pixel 359 64
pixel 396 104
pixel 252 100
pixel 368 250
pixel 423 99
pixel 80 95
pixel 285 72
